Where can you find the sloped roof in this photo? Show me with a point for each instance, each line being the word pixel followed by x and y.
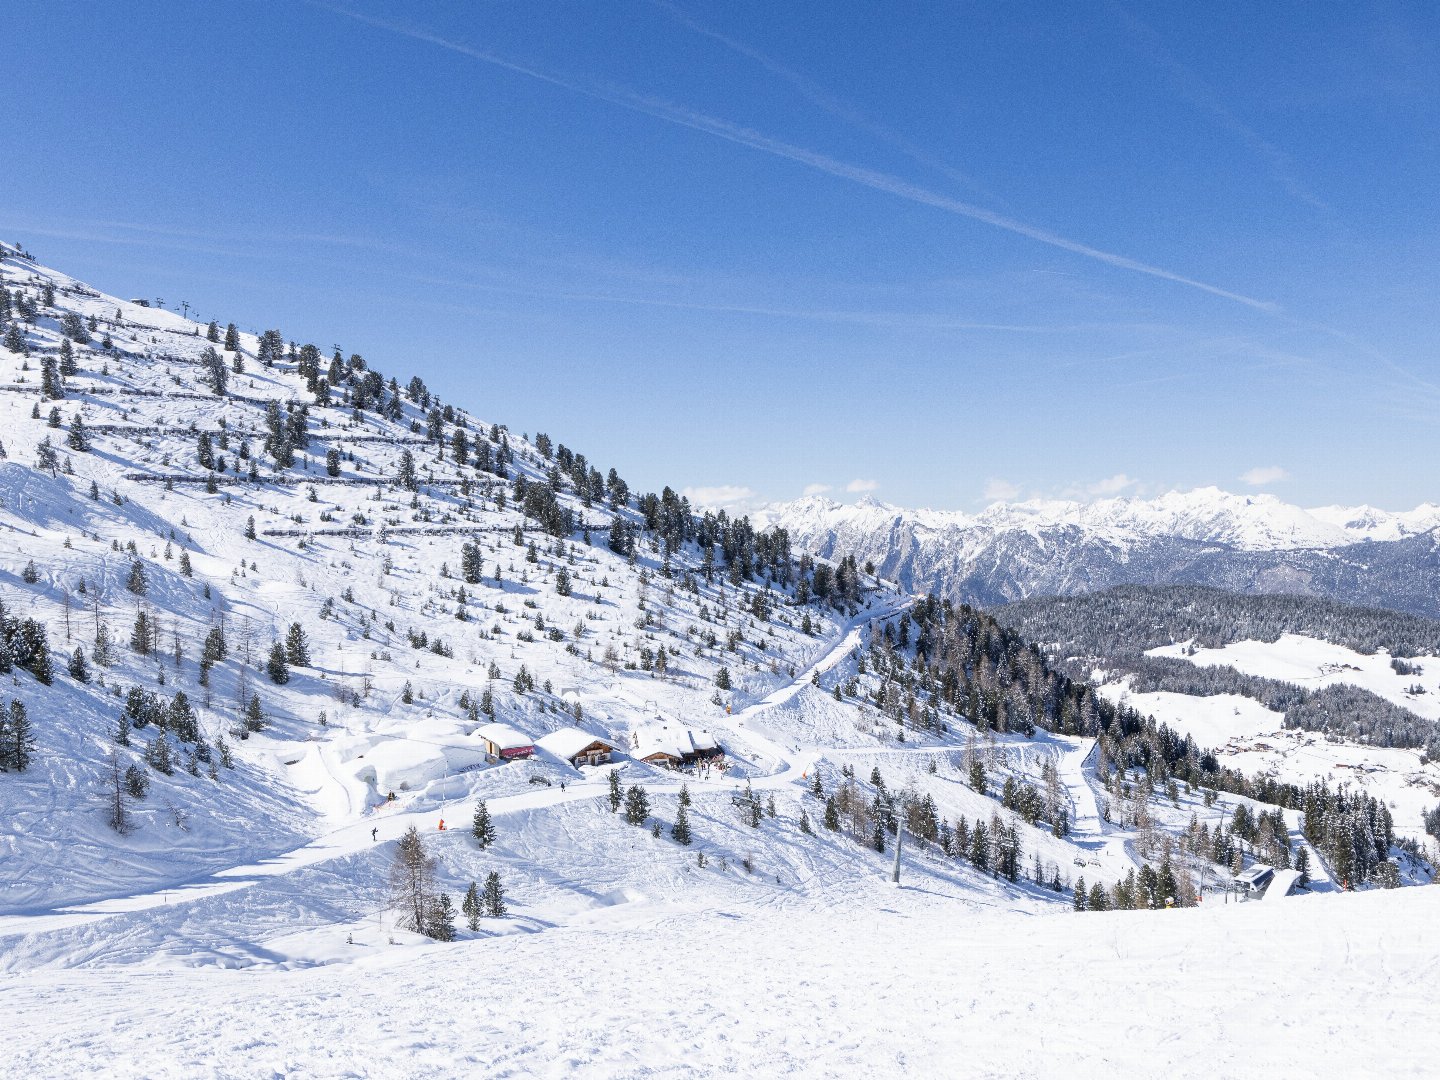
pixel 504 736
pixel 569 741
pixel 664 737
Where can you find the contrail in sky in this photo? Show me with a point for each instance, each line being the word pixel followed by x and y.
pixel 736 133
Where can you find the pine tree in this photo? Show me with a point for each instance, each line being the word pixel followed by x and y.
pixel 159 756
pixel 78 668
pixel 471 907
pixel 254 716
pixel 102 652
pixel 277 667
pixel 684 794
pixel 212 332
pixel 1080 897
pixel 405 474
pixel 680 831
pixel 46 458
pixel 977 775
pixel 877 835
pixel 52 384
pixel 980 846
pixel 494 896
pixel 17 740
pixel 332 462
pixel 615 794
pixel 297 646
pixel 832 814
pixel 471 567
pixel 78 439
pixel 250 527
pixel 805 823
pixel 214 649
pixel 483 828
pixel 722 679
pixel 137 582
pixel 214 373
pixel 637 805
pixel 1302 864
pixel 137 783
pixel 186 570
pixel 816 787
pixel 232 338
pixel 440 918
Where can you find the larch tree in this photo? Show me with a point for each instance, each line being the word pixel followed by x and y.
pixel 412 880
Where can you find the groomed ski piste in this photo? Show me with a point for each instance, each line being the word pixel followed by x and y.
pixel 241 924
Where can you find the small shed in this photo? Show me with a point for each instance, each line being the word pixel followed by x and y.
pixel 576 746
pixel 504 742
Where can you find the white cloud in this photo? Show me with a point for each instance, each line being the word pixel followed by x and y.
pixel 816 489
pixel 1112 485
pixel 856 487
pixel 720 495
pixel 1264 474
pixel 997 490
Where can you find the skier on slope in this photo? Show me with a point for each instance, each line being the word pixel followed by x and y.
pixel 374 834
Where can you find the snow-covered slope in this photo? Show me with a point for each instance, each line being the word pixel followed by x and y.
pixel 1254 543
pixel 388 574
pixel 1312 663
pixel 1308 986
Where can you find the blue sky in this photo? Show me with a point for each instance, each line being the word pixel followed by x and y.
pixel 941 253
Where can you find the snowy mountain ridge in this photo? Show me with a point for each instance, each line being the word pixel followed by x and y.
pixel 1250 543
pixel 1209 515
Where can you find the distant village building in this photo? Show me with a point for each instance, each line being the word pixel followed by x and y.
pixel 504 742
pixel 576 746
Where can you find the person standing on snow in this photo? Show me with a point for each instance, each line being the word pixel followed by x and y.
pixel 374 834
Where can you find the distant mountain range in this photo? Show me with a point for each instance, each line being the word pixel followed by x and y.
pixel 1244 543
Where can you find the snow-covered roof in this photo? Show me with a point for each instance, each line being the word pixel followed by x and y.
pixel 504 736
pixel 569 741
pixel 1257 873
pixel 664 737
